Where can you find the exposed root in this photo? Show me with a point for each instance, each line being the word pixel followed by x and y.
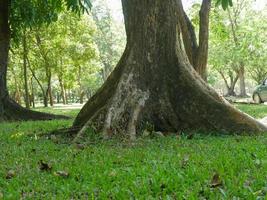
pixel 15 112
pixel 135 115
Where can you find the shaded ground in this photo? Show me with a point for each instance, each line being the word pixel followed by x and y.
pixel 171 167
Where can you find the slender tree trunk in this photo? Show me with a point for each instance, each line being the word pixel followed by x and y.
pixel 81 92
pixel 230 87
pixel 58 97
pixel 25 73
pixel 45 99
pixel 241 71
pixel 50 94
pixel 17 95
pixel 63 91
pixel 9 109
pixel 242 82
pixel 154 84
pixel 81 97
pixel 201 61
pixel 33 93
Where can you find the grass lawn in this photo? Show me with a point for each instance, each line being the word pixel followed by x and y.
pixel 205 167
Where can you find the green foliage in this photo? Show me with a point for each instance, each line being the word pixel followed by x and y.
pixel 110 36
pixel 224 3
pixel 32 13
pixel 238 37
pixel 62 53
pixel 166 168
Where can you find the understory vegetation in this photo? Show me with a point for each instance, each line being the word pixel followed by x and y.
pixel 35 165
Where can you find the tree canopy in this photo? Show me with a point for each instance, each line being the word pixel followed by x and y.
pixel 30 13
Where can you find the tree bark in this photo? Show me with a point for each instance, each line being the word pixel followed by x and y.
pixel 25 73
pixel 197 53
pixel 81 92
pixel 9 109
pixel 4 48
pixel 32 93
pixel 242 82
pixel 50 94
pixel 155 85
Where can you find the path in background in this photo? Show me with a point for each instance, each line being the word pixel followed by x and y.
pixel 71 106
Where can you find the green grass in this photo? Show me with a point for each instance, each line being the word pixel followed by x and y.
pixel 158 168
pixel 257 111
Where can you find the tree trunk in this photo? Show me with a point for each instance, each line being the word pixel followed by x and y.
pixel 45 99
pixel 25 74
pixel 81 92
pixel 242 82
pixel 230 87
pixel 241 72
pixel 50 94
pixel 154 84
pixel 4 48
pixel 63 91
pixel 33 93
pixel 81 97
pixel 197 52
pixel 9 109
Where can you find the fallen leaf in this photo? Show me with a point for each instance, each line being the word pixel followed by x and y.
pixel 185 161
pixel 62 174
pixel 10 174
pixel 44 166
pixel 216 181
pixel 158 134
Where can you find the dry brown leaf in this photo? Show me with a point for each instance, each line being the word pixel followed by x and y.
pixel 216 181
pixel 185 161
pixel 62 174
pixel 10 174
pixel 44 166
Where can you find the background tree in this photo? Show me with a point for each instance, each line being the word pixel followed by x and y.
pixel 15 16
pixel 110 36
pixel 226 54
pixel 65 48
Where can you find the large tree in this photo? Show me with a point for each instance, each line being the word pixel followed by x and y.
pixel 154 85
pixel 15 16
